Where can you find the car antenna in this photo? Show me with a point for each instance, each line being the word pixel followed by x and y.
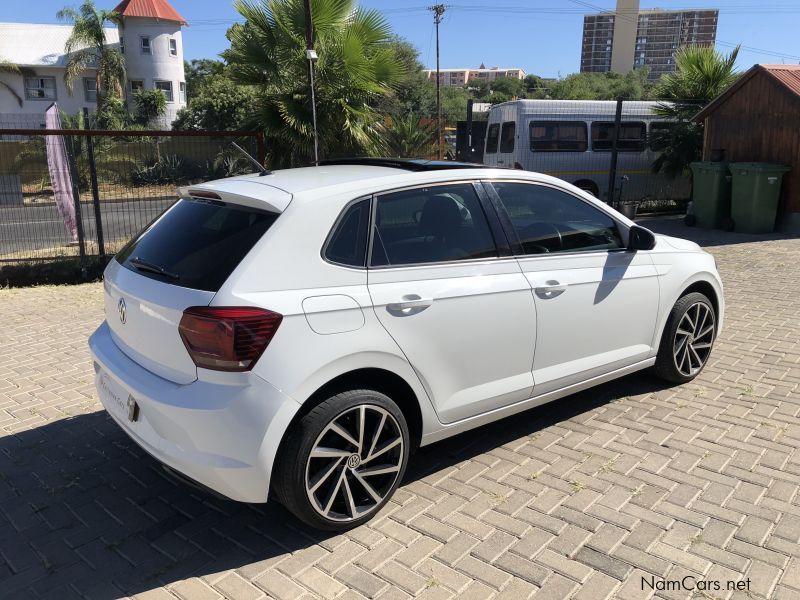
pixel 262 170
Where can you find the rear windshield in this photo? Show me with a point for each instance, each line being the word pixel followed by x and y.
pixel 196 244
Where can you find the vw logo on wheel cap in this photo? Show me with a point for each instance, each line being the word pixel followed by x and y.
pixel 123 312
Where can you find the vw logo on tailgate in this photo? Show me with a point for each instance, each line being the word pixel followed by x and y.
pixel 123 311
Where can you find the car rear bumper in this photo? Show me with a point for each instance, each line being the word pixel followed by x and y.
pixel 222 430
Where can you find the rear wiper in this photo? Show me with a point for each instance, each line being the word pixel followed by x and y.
pixel 143 265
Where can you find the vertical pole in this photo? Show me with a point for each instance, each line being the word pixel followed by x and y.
pixel 312 57
pixel 261 148
pixel 438 11
pixel 95 191
pixel 612 172
pixel 469 127
pixel 76 199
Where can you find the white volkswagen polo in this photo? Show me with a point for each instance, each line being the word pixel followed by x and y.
pixel 299 333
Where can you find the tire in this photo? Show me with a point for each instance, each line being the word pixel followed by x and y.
pixel 304 484
pixel 588 186
pixel 690 220
pixel 676 362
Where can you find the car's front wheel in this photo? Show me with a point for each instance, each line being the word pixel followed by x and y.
pixel 687 340
pixel 343 460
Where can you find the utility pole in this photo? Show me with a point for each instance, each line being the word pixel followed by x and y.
pixel 311 55
pixel 438 11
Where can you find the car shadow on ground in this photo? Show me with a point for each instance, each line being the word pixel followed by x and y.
pixel 84 511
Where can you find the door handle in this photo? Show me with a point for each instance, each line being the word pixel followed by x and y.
pixel 550 289
pixel 409 304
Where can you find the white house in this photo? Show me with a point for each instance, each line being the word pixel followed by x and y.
pixel 150 40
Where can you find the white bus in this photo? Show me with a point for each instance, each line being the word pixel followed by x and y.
pixel 571 140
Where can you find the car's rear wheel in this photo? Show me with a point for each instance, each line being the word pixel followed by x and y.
pixel 687 340
pixel 343 460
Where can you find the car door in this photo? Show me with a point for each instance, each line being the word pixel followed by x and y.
pixel 596 302
pixel 460 309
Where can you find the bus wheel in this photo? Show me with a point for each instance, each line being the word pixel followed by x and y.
pixel 587 185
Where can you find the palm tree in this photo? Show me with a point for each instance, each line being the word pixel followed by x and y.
pixel 357 66
pixel 9 67
pixel 87 47
pixel 409 136
pixel 701 75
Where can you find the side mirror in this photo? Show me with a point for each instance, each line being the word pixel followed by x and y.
pixel 640 238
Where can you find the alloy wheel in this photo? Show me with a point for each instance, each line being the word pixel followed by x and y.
pixel 354 463
pixel 693 339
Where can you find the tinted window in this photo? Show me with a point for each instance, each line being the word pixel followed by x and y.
pixel 432 224
pixel 507 136
pixel 659 135
pixel 549 220
pixel 492 135
pixel 558 136
pixel 347 244
pixel 632 136
pixel 199 243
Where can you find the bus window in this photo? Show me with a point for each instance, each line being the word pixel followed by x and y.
pixel 558 136
pixel 507 134
pixel 659 132
pixel 632 136
pixel 492 135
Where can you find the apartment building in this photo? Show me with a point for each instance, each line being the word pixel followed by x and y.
pixel 630 38
pixel 460 77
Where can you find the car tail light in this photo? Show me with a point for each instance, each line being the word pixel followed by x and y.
pixel 227 338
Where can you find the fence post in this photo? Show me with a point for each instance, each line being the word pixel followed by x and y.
pixel 261 148
pixel 95 191
pixel 612 172
pixel 469 129
pixel 76 199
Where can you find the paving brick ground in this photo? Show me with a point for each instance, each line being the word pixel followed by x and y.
pixel 578 499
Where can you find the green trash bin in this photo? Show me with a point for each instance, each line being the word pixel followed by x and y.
pixel 711 194
pixel 755 191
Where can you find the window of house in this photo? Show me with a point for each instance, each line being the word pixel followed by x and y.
pixel 507 133
pixel 136 85
pixel 166 87
pixel 549 220
pixel 40 88
pixel 122 45
pixel 431 224
pixel 558 136
pixel 145 45
pixel 492 137
pixel 182 91
pixel 632 136
pixel 90 89
pixel 173 47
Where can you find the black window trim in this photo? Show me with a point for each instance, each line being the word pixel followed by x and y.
pixel 516 243
pixel 503 249
pixel 329 238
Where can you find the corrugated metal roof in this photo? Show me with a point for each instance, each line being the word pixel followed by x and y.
pixel 153 9
pixel 37 45
pixel 787 75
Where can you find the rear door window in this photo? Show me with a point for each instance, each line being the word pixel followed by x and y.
pixel 492 136
pixel 632 136
pixel 558 136
pixel 507 134
pixel 196 244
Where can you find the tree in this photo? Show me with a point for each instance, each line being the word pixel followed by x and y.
pixel 357 65
pixel 701 75
pixel 150 105
pixel 218 104
pixel 409 136
pixel 415 92
pixel 9 67
pixel 602 86
pixel 508 86
pixel 87 48
pixel 199 72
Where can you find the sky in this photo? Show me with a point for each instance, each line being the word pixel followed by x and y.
pixel 541 36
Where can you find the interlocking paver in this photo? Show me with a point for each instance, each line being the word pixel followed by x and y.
pixel 578 498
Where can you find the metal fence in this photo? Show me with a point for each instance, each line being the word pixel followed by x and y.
pixel 608 148
pixel 121 181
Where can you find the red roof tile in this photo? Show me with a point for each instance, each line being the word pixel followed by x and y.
pixel 153 9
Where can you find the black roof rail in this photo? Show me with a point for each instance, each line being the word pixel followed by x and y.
pixel 407 164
